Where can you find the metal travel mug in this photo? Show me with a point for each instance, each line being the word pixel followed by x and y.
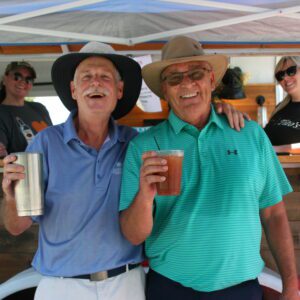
pixel 29 192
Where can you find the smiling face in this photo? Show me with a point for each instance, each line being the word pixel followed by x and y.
pixel 96 86
pixel 291 84
pixel 191 98
pixel 17 87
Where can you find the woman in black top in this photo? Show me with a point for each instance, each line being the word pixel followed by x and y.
pixel 19 120
pixel 283 128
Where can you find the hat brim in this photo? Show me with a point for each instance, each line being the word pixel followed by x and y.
pixel 152 72
pixel 63 71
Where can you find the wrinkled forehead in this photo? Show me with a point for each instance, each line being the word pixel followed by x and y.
pixel 95 62
pixel 182 67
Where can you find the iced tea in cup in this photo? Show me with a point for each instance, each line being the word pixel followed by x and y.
pixel 171 186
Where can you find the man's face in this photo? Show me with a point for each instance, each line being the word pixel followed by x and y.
pixel 96 86
pixel 190 98
pixel 18 83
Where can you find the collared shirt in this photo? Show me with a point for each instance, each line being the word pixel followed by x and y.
pixel 79 231
pixel 208 237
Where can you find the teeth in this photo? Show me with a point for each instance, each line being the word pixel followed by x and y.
pixel 189 95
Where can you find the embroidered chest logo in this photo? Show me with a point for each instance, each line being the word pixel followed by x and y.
pixel 117 170
pixel 235 152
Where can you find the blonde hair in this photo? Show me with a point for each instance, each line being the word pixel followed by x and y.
pixel 280 64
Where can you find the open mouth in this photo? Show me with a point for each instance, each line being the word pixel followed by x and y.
pixel 189 96
pixel 96 95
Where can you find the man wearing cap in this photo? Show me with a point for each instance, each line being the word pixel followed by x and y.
pixel 20 120
pixel 81 251
pixel 204 244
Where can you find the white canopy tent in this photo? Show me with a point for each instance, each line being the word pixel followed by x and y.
pixel 129 22
pixel 249 26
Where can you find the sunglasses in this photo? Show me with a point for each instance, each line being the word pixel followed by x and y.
pixel 18 77
pixel 176 78
pixel 290 71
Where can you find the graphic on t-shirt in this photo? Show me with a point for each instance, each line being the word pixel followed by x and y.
pixel 288 123
pixel 25 129
pixel 38 125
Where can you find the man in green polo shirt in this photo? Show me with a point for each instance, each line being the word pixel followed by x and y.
pixel 205 243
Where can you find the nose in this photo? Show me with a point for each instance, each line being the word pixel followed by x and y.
pixel 96 80
pixel 186 80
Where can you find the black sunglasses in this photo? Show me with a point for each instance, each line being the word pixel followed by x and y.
pixel 290 71
pixel 176 78
pixel 19 77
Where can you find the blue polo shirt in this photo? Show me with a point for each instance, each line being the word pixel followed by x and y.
pixel 208 237
pixel 79 231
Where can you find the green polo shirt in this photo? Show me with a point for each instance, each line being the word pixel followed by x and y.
pixel 208 238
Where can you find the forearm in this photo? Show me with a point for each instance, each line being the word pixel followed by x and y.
pixel 281 244
pixel 12 222
pixel 137 221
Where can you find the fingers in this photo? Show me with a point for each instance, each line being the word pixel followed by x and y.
pixel 151 172
pixel 246 116
pixel 12 172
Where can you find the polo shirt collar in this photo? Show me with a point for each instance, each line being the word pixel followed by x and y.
pixel 70 133
pixel 178 124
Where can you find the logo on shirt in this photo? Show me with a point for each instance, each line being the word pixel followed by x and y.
pixel 117 170
pixel 235 152
pixel 25 129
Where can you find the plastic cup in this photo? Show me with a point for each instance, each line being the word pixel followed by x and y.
pixel 172 185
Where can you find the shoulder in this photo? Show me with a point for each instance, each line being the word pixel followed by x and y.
pixel 36 105
pixel 128 133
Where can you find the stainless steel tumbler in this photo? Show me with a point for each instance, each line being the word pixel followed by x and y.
pixel 29 192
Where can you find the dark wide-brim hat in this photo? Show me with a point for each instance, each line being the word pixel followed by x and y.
pixel 64 67
pixel 181 49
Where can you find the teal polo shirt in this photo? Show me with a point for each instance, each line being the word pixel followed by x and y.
pixel 208 238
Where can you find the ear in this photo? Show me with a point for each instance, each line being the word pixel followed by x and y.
pixel 212 81
pixel 120 89
pixel 73 90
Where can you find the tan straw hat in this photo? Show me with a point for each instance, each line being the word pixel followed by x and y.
pixel 181 49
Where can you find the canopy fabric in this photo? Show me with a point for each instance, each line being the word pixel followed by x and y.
pixel 128 22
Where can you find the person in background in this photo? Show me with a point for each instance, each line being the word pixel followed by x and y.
pixel 204 244
pixel 20 120
pixel 283 128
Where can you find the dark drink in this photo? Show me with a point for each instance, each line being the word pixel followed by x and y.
pixel 171 186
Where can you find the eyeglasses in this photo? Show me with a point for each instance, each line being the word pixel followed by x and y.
pixel 20 77
pixel 290 71
pixel 176 78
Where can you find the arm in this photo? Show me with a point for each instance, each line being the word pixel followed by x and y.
pixel 3 151
pixel 275 223
pixel 12 222
pixel 137 220
pixel 234 116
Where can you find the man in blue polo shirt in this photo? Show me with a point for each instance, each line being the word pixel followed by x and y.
pixel 204 244
pixel 81 251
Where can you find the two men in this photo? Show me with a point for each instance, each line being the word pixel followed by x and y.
pixel 82 252
pixel 204 243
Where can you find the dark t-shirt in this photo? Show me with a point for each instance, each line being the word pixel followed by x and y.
pixel 284 127
pixel 19 124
